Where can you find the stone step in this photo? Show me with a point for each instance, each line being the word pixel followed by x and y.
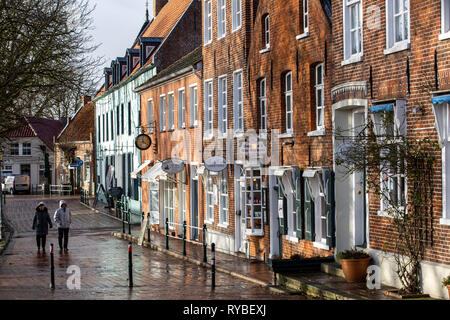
pixel 332 268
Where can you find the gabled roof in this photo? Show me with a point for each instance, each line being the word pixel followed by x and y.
pixel 44 129
pixel 81 125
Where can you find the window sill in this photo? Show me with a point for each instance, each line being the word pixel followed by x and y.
pixel 223 225
pixel 302 36
pixel 444 36
pixel 444 221
pixel 398 47
pixel 321 245
pixel 237 29
pixel 221 37
pixel 382 213
pixel 238 134
pixel 317 133
pixel 249 232
pixel 264 50
pixel 353 59
pixel 207 43
pixel 292 238
pixel 208 137
pixel 286 135
pixel 210 222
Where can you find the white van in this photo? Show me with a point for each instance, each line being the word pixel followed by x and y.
pixel 14 184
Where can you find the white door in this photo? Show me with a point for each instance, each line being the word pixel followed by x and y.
pixel 358 188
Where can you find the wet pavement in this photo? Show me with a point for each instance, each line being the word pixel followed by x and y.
pixel 103 264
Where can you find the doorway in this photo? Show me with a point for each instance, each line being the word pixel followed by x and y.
pixel 194 203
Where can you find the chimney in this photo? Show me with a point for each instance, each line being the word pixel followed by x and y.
pixel 85 100
pixel 158 5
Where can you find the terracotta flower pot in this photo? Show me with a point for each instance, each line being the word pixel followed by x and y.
pixel 355 270
pixel 448 288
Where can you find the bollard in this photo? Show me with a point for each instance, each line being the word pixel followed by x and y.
pixel 52 268
pixel 123 218
pixel 148 228
pixel 129 220
pixel 184 238
pixel 204 244
pixel 130 265
pixel 167 233
pixel 213 265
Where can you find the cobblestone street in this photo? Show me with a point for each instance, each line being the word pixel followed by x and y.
pixel 103 262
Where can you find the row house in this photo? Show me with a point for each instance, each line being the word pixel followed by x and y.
pixel 392 58
pixel 75 143
pixel 170 111
pixel 161 41
pixel 30 150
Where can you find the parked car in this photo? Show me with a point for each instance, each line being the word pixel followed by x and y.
pixel 15 184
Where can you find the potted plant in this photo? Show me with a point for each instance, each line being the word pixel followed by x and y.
pixel 446 283
pixel 354 265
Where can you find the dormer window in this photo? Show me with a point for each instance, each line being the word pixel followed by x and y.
pixel 107 73
pixel 132 60
pixel 147 47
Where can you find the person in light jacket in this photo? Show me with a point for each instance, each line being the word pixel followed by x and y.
pixel 41 222
pixel 63 219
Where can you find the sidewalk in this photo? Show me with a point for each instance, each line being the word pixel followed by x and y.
pixel 319 284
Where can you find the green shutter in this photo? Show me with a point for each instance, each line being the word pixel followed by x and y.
pixel 309 214
pixel 328 177
pixel 299 203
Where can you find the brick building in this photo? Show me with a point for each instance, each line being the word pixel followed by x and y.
pixel 76 142
pixel 170 116
pixel 381 68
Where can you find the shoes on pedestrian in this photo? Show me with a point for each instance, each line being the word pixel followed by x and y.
pixel 39 250
pixel 43 251
pixel 66 250
pixel 60 250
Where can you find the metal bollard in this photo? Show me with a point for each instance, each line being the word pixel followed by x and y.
pixel 123 218
pixel 129 220
pixel 184 238
pixel 204 244
pixel 52 268
pixel 213 265
pixel 167 233
pixel 130 265
pixel 148 228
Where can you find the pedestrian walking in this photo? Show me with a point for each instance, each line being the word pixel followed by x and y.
pixel 41 222
pixel 63 219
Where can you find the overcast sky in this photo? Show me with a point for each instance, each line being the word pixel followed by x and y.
pixel 117 23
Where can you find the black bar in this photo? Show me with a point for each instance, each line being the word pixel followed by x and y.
pixel 184 238
pixel 130 265
pixel 167 233
pixel 213 265
pixel 123 218
pixel 204 244
pixel 52 268
pixel 129 220
pixel 148 227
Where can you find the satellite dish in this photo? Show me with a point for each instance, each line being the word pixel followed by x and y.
pixel 172 166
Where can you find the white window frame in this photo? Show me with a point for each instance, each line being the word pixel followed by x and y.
pixel 28 149
pixel 263 104
pixel 150 115
pixel 169 202
pixel 209 109
pixel 182 197
pixel 208 22
pixel 238 101
pixel 349 56
pixel 288 103
pixel 162 113
pixel 12 146
pixel 193 105
pixel 445 20
pixel 305 16
pixel 392 45
pixel 209 199
pixel 267 31
pixel 320 103
pixel 171 110
pixel 223 199
pixel 221 19
pixel 222 96
pixel 181 108
pixel 236 8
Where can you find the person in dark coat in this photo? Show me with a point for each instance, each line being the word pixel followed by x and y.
pixel 41 222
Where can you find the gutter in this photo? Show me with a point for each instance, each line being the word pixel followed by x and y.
pixel 163 79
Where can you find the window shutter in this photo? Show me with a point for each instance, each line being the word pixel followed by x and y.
pixel 309 214
pixel 400 117
pixel 328 177
pixel 299 204
pixel 283 219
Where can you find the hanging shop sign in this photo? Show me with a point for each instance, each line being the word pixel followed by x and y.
pixel 216 163
pixel 172 166
pixel 143 141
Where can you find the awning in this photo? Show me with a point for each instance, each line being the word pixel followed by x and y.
pixel 139 169
pixel 314 182
pixel 201 170
pixel 155 172
pixel 279 171
pixel 381 107
pixel 309 173
pixel 440 99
